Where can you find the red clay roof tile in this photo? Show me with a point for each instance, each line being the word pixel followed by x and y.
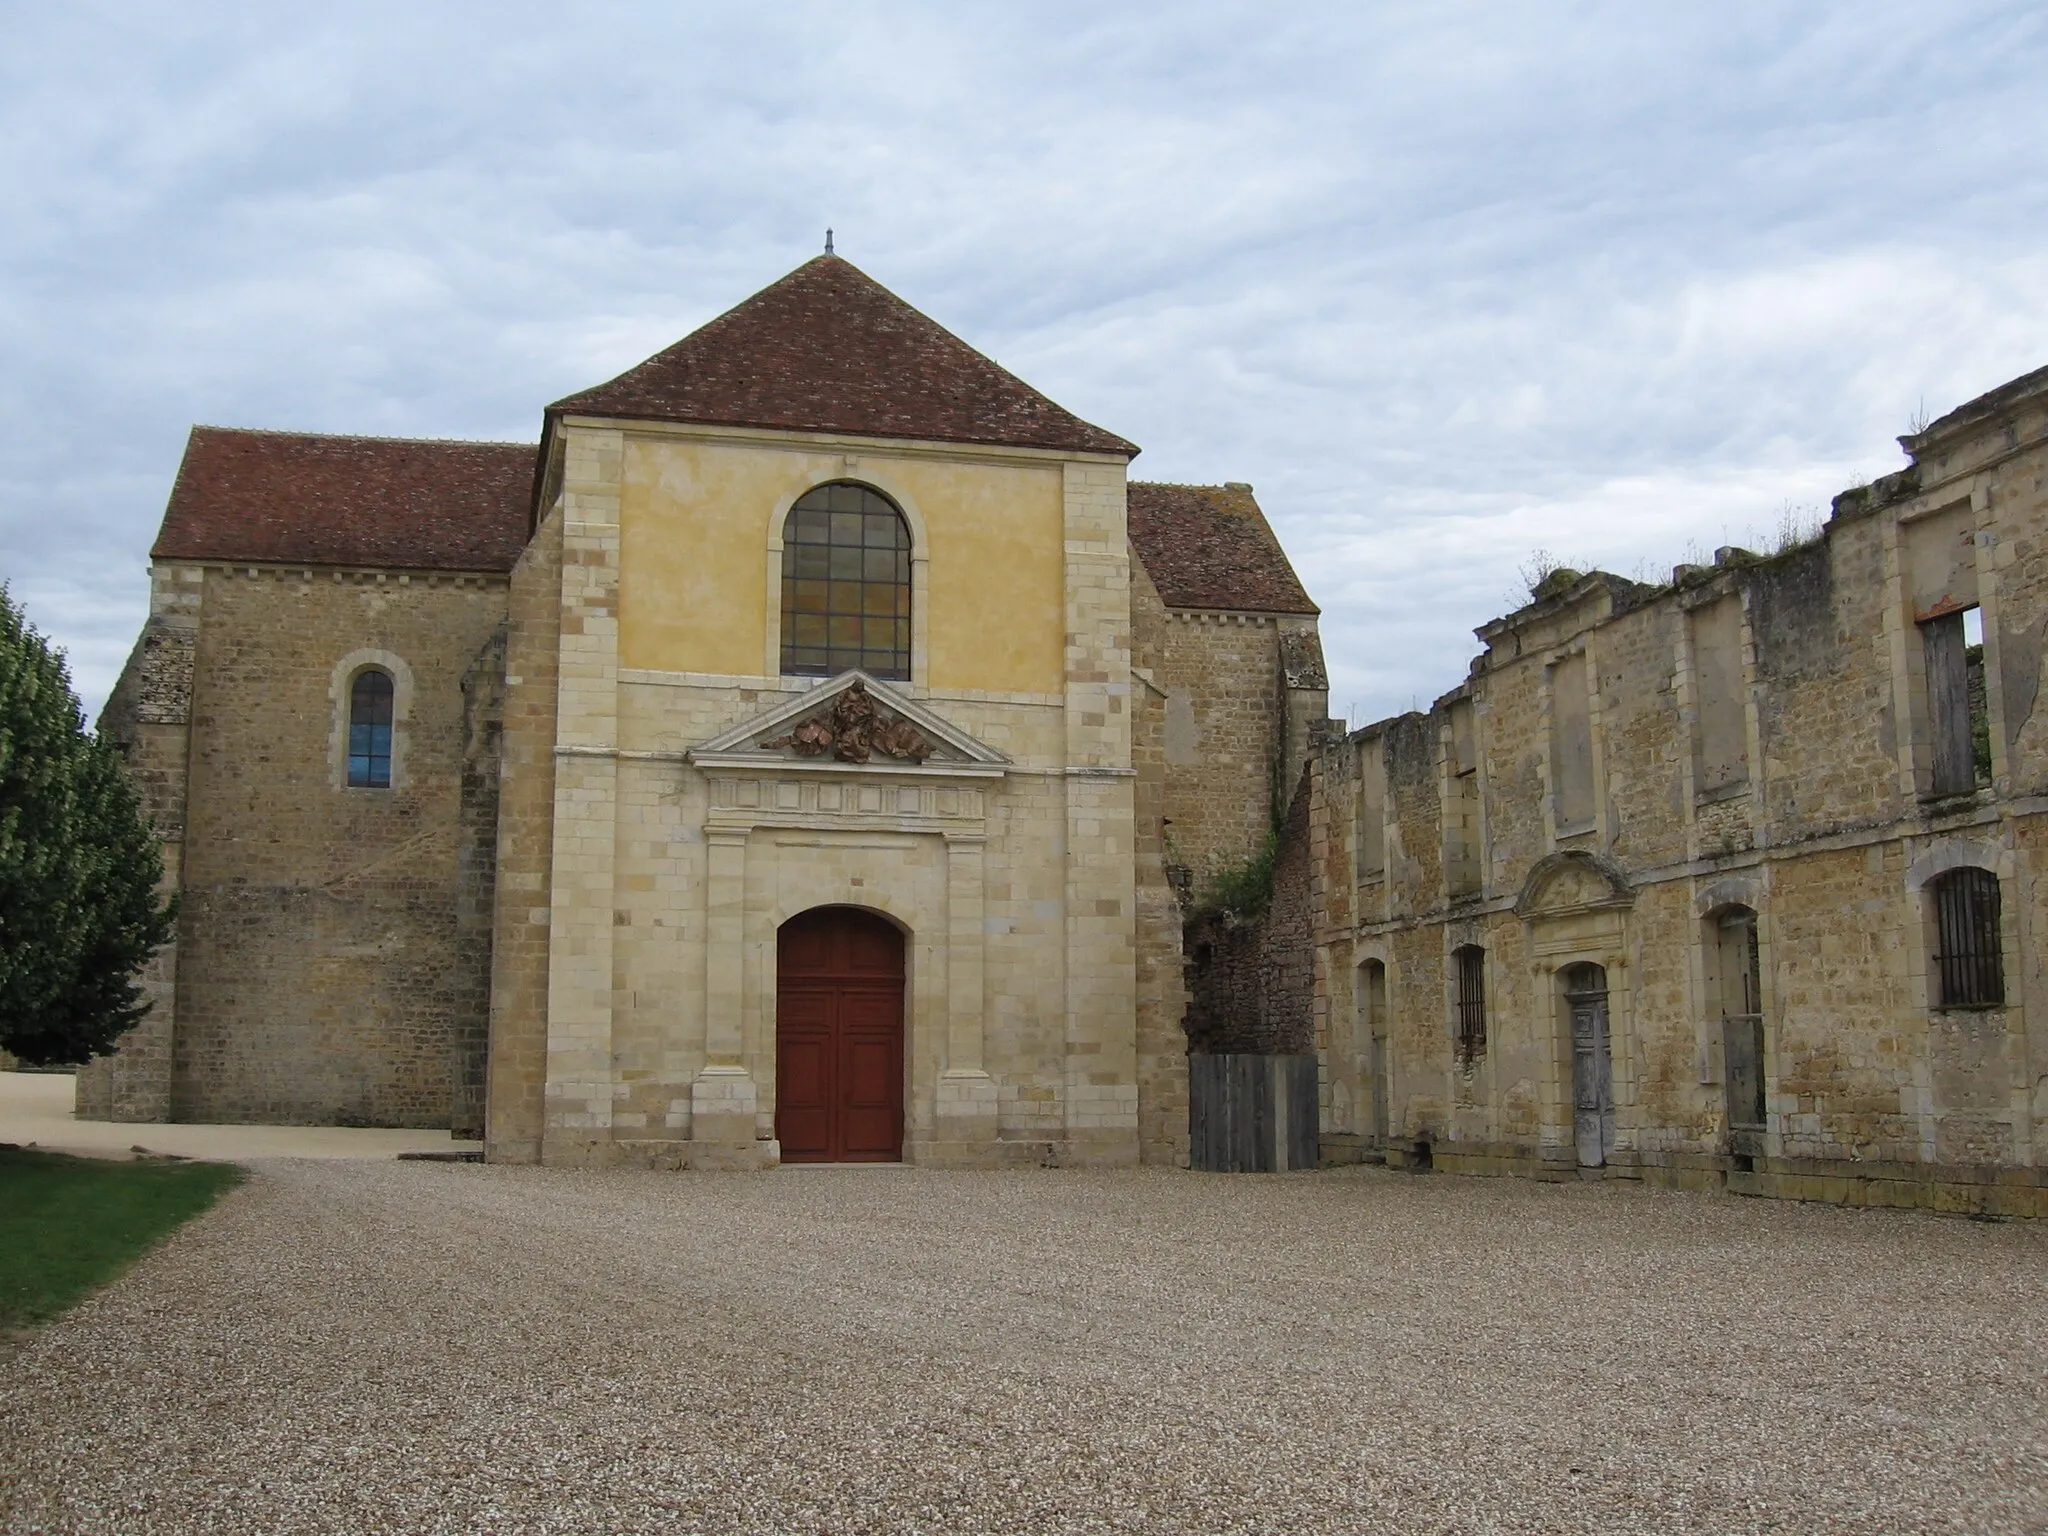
pixel 299 498
pixel 829 349
pixel 1209 546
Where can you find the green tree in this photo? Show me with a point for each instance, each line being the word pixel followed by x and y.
pixel 79 866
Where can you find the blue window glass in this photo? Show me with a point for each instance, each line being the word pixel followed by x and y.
pixel 369 731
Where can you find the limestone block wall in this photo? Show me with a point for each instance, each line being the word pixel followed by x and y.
pixel 321 972
pixel 633 1000
pixel 1638 763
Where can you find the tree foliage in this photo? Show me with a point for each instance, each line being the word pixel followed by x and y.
pixel 80 913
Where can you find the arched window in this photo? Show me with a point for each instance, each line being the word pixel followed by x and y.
pixel 1969 971
pixel 845 585
pixel 369 730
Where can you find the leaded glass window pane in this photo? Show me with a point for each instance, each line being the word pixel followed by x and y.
pixel 845 585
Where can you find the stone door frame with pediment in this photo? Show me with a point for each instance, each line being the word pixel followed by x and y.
pixel 790 825
pixel 1575 910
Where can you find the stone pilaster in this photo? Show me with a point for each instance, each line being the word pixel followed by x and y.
pixel 967 1097
pixel 579 1070
pixel 1101 1080
pixel 724 1099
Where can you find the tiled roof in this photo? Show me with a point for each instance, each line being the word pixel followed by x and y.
pixel 829 349
pixel 1209 546
pixel 298 498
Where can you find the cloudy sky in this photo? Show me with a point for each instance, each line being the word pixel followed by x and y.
pixel 1450 283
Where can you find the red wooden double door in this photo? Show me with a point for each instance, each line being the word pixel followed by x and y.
pixel 839 1038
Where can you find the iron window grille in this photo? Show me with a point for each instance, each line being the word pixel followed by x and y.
pixel 1471 1003
pixel 845 585
pixel 369 730
pixel 1967 961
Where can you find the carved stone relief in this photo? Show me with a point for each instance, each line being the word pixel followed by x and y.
pixel 853 730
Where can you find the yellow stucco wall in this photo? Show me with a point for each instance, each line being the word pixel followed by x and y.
pixel 694 574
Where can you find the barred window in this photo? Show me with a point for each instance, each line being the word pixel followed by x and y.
pixel 1738 977
pixel 845 585
pixel 1970 972
pixel 369 730
pixel 1470 965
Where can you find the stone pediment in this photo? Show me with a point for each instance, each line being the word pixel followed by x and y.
pixel 1573 882
pixel 851 723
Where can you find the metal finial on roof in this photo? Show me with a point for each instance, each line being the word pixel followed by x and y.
pixel 828 240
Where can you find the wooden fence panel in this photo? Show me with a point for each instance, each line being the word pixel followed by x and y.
pixel 1252 1114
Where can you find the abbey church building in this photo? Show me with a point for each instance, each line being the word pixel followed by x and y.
pixel 794 756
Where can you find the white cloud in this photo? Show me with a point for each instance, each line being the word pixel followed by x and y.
pixel 1449 282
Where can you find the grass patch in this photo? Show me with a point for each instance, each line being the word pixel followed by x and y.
pixel 70 1224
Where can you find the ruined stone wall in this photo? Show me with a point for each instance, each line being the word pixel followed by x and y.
pixel 323 974
pixel 1758 735
pixel 147 716
pixel 1252 977
pixel 476 856
pixel 1227 705
pixel 1224 724
pixel 517 1063
pixel 1162 988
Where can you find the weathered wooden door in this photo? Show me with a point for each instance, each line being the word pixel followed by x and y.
pixel 1592 1064
pixel 839 1038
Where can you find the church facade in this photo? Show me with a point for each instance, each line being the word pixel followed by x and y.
pixel 799 754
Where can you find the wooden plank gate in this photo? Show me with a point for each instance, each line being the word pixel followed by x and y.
pixel 1252 1114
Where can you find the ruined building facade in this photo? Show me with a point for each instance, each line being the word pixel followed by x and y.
pixel 811 747
pixel 796 754
pixel 1734 880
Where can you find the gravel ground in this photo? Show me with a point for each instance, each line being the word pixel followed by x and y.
pixel 366 1347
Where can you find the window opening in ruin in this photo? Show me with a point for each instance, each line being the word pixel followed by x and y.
pixel 1470 1003
pixel 1372 811
pixel 1585 997
pixel 1372 1004
pixel 1739 978
pixel 1958 713
pixel 1969 969
pixel 1571 746
pixel 845 585
pixel 1721 698
pixel 369 730
pixel 1461 803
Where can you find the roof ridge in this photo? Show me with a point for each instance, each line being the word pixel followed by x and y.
pixel 827 348
pixel 362 437
pixel 1198 485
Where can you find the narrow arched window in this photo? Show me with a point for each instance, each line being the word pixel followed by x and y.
pixel 369 730
pixel 845 585
pixel 1969 969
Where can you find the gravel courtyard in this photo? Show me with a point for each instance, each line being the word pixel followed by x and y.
pixel 368 1347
